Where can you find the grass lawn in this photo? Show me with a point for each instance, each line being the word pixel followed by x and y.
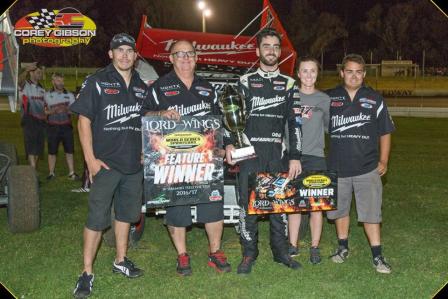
pixel 46 263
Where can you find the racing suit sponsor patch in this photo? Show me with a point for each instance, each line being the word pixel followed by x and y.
pixel 337 104
pixel 366 105
pixel 203 88
pixel 111 91
pixel 366 100
pixel 171 93
pixel 256 85
pixel 138 89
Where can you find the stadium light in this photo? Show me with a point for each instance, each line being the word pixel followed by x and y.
pixel 206 12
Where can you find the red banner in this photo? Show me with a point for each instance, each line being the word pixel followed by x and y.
pixel 214 48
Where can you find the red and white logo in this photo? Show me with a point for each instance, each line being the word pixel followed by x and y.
pixel 111 91
pixel 336 104
pixel 171 93
pixel 256 85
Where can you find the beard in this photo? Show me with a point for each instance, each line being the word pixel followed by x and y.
pixel 269 62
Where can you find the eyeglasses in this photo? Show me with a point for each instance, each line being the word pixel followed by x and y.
pixel 183 54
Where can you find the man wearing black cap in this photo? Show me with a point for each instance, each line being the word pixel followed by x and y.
pixel 109 105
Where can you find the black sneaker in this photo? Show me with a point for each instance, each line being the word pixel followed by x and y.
pixel 218 261
pixel 381 265
pixel 340 255
pixel 183 264
pixel 84 286
pixel 293 250
pixel 315 255
pixel 127 268
pixel 50 176
pixel 287 261
pixel 245 267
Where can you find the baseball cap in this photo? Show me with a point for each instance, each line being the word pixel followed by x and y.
pixel 121 39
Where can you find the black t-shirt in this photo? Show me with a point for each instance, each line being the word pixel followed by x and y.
pixel 114 111
pixel 355 128
pixel 169 93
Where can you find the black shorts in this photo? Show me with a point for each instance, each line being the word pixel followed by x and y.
pixel 34 133
pixel 180 216
pixel 57 134
pixel 126 192
pixel 310 163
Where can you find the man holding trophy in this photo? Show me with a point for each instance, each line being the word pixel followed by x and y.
pixel 268 99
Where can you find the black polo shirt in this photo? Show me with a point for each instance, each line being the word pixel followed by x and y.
pixel 355 128
pixel 114 111
pixel 169 93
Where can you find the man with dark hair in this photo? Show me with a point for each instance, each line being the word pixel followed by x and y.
pixel 33 112
pixel 109 128
pixel 57 102
pixel 359 123
pixel 181 92
pixel 270 102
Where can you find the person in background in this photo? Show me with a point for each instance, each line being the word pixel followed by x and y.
pixel 59 129
pixel 31 94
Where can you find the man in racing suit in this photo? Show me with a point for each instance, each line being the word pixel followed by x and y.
pixel 270 101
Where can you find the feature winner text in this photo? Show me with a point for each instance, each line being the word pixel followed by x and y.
pixel 183 167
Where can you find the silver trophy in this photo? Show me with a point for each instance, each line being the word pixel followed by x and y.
pixel 233 108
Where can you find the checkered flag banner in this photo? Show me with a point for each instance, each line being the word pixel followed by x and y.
pixel 45 19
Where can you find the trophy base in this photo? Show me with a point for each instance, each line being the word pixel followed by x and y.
pixel 244 153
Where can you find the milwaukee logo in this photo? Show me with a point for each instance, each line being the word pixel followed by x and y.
pixel 347 122
pixel 191 110
pixel 232 46
pixel 113 111
pixel 260 103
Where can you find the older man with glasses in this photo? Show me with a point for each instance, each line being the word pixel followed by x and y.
pixel 181 92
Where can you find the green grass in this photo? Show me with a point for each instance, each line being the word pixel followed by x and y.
pixel 46 263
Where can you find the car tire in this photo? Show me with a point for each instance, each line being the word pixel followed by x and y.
pixel 23 199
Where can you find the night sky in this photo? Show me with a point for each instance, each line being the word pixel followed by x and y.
pixel 229 17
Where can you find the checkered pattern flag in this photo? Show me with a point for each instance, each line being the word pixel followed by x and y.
pixel 45 19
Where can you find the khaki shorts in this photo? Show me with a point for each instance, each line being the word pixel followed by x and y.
pixel 368 191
